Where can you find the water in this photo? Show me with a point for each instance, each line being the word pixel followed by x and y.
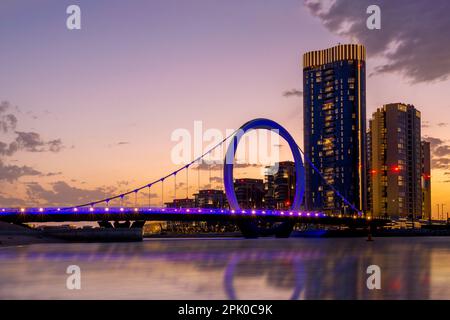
pixel 411 268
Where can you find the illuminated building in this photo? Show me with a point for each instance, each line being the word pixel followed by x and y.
pixel 249 193
pixel 210 198
pixel 280 186
pixel 426 180
pixel 396 161
pixel 334 127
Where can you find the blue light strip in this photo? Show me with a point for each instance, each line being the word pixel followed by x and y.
pixel 150 211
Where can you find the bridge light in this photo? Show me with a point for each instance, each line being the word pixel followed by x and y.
pixel 308 214
pixel 91 209
pixel 282 213
pixel 232 211
pixel 253 211
pixel 59 209
pixel 264 212
pixel 187 210
pixel 22 210
pixel 121 209
pixel 136 210
pixel 316 214
pixel 242 211
pixel 291 213
pixel 199 210
pixel 106 209
pixel 41 209
pixel 75 209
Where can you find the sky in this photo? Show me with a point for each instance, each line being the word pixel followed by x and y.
pixel 87 113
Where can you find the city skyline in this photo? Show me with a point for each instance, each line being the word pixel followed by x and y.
pixel 76 94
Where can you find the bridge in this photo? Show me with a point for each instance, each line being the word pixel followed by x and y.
pixel 249 220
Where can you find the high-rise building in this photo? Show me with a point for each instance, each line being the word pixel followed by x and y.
pixel 280 186
pixel 210 198
pixel 249 193
pixel 334 118
pixel 396 161
pixel 426 180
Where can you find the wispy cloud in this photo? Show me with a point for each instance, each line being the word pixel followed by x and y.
pixel 440 153
pixel 11 173
pixel 293 93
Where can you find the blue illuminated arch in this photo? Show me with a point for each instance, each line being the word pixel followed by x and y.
pixel 231 152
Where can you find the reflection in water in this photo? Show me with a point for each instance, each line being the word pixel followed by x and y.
pixel 412 268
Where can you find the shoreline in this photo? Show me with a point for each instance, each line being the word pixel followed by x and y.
pixel 16 235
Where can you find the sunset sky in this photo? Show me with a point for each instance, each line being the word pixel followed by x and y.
pixel 91 111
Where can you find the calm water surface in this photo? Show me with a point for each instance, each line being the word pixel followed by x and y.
pixel 412 268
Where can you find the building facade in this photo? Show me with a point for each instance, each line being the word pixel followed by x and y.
pixel 334 127
pixel 211 198
pixel 249 193
pixel 280 187
pixel 396 161
pixel 426 180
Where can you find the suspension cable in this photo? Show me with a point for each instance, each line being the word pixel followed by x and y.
pixel 328 184
pixel 162 193
pixel 175 186
pixel 187 182
pixel 149 196
pixel 106 200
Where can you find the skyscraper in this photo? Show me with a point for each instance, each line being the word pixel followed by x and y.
pixel 396 161
pixel 334 115
pixel 426 180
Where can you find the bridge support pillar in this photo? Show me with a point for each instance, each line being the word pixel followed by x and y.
pixel 284 230
pixel 125 224
pixel 105 224
pixel 249 229
pixel 138 224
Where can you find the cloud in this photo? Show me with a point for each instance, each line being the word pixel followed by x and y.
pixel 32 142
pixel 6 201
pixel 440 153
pixel 293 93
pixel 219 166
pixel 11 173
pixel 26 141
pixel 434 142
pixel 52 174
pixel 61 193
pixel 413 38
pixel 8 121
pixel 121 143
pixel 8 149
pixel 442 124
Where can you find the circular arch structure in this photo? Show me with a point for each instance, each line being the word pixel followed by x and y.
pixel 231 152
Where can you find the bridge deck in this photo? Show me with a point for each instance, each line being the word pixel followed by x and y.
pixel 21 215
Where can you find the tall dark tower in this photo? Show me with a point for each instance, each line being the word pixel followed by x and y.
pixel 334 115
